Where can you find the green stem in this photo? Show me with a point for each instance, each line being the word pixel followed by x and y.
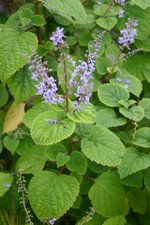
pixel 109 8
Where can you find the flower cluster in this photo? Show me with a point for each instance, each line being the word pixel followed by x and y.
pixel 57 37
pixel 81 77
pixel 120 2
pixel 80 82
pixel 46 85
pixel 129 33
pixel 21 183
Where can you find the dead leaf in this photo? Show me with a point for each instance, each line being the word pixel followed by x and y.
pixel 13 117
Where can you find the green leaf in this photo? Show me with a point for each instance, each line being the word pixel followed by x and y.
pixel 3 96
pixel 146 174
pixel 38 20
pixel 102 146
pixel 97 168
pixel 112 119
pixel 137 200
pixel 5 182
pixel 142 137
pixel 111 94
pixel 78 202
pixel 61 20
pixel 18 18
pixel 25 12
pixel 102 64
pixel 11 144
pixel 25 21
pixel 145 103
pixel 103 8
pixel 44 132
pixel 62 159
pixel 71 40
pixel 85 115
pixel 143 18
pixel 32 161
pixel 77 163
pixel 70 9
pixel 132 162
pixel 1 146
pixel 143 44
pixel 51 195
pixel 82 130
pixel 135 113
pixel 129 81
pixel 61 74
pixel 34 112
pixel 53 151
pixel 84 38
pixel 25 15
pixel 112 52
pixel 25 145
pixel 107 23
pixel 142 62
pixel 22 86
pixel 13 45
pixel 107 195
pixel 144 4
pixel 116 220
pixel 133 180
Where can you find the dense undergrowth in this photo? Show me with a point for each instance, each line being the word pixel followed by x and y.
pixel 75 112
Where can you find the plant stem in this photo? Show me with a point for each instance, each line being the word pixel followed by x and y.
pixel 38 30
pixel 23 192
pixel 46 27
pixel 66 85
pixel 115 63
pixel 108 9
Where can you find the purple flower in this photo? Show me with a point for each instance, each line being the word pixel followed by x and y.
pixel 81 77
pixel 7 185
pixel 128 34
pixel 57 37
pixel 126 86
pixel 52 221
pixel 46 85
pixel 126 83
pixel 120 2
pixel 52 121
pixel 80 82
pixel 118 79
pixel 121 13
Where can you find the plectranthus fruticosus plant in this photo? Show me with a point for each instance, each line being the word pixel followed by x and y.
pixel 83 143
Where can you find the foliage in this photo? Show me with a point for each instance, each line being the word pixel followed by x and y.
pixel 75 112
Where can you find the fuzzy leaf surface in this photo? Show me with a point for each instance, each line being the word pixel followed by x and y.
pixel 116 220
pixel 107 189
pixel 5 182
pixel 13 45
pixel 45 133
pixel 111 94
pixel 51 195
pixel 70 9
pixel 132 162
pixel 102 146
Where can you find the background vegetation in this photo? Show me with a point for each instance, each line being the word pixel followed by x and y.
pixel 65 165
